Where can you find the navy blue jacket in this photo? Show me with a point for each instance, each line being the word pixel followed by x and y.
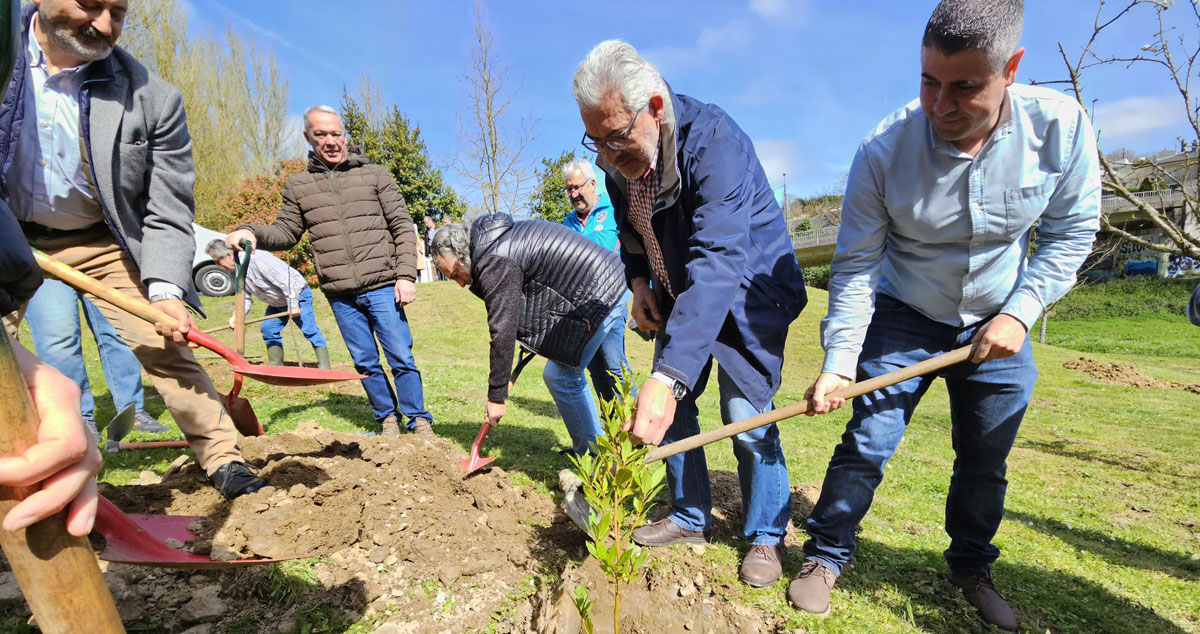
pixel 726 249
pixel 19 274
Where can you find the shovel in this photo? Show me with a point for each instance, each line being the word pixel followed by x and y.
pixel 238 407
pixel 142 540
pixel 273 375
pixel 475 462
pixel 56 571
pixel 576 504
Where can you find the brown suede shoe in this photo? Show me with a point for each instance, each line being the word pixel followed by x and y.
pixel 809 589
pixel 664 532
pixel 978 588
pixel 423 428
pixel 391 427
pixel 763 565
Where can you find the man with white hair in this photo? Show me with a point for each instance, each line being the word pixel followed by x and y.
pixel 711 267
pixel 365 252
pixel 934 253
pixel 594 219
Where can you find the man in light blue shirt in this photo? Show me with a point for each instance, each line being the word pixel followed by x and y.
pixel 593 217
pixel 933 254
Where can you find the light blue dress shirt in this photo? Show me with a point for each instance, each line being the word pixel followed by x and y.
pixel 600 226
pixel 948 234
pixel 47 184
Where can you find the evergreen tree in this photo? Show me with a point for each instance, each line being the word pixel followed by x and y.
pixel 549 199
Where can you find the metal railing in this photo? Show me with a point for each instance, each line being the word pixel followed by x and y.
pixel 1157 199
pixel 815 238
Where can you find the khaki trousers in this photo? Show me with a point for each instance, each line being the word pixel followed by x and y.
pixel 182 382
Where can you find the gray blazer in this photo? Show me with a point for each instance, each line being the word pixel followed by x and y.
pixel 135 132
pixel 141 153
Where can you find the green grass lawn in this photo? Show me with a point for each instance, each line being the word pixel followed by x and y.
pixel 1137 316
pixel 1102 532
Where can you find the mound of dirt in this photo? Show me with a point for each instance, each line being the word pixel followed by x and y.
pixel 1123 374
pixel 400 538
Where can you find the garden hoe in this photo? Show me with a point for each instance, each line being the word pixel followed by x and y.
pixel 576 505
pixel 122 424
pixel 475 462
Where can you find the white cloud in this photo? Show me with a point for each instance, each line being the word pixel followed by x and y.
pixel 730 38
pixel 1128 120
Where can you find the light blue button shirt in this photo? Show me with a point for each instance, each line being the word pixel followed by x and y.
pixel 948 234
pixel 47 184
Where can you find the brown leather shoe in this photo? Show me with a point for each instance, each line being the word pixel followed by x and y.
pixel 423 428
pixel 664 532
pixel 809 589
pixel 391 427
pixel 977 586
pixel 763 565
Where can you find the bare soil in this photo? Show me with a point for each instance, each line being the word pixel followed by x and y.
pixel 401 538
pixel 1123 374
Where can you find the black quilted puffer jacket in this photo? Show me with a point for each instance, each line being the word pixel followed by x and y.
pixel 544 285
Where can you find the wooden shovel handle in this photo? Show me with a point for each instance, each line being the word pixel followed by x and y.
pixel 248 322
pixel 82 282
pixel 795 409
pixel 57 572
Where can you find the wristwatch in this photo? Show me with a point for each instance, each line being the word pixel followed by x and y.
pixel 678 389
pixel 161 297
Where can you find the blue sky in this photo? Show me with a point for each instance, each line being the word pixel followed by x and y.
pixel 806 79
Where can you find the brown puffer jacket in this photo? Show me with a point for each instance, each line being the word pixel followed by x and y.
pixel 362 236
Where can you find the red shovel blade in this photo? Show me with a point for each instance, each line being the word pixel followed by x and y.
pixel 274 375
pixel 244 418
pixel 475 462
pixel 141 540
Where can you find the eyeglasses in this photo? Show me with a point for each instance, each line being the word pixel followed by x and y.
pixel 571 189
pixel 617 143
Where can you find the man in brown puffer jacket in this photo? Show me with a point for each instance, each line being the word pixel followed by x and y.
pixel 365 251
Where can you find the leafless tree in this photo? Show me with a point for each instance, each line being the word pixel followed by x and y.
pixel 494 155
pixel 1175 53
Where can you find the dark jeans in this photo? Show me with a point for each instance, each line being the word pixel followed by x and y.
pixel 362 318
pixel 272 329
pixel 987 403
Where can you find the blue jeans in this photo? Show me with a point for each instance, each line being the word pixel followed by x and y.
pixel 53 317
pixel 762 469
pixel 609 361
pixel 272 329
pixel 365 317
pixel 568 385
pixel 987 402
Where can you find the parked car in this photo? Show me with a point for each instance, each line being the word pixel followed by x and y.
pixel 210 279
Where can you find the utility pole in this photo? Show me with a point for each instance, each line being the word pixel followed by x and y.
pixel 787 214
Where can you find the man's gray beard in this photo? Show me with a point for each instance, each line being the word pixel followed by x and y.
pixel 73 44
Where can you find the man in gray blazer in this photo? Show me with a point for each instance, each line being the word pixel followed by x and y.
pixel 97 165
